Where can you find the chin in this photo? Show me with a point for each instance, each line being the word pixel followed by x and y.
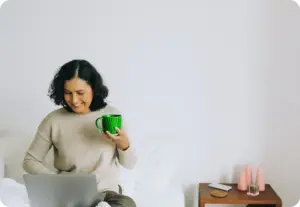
pixel 78 110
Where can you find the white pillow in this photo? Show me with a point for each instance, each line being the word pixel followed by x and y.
pixel 13 193
pixel 1 168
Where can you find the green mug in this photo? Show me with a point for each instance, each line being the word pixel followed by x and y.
pixel 109 122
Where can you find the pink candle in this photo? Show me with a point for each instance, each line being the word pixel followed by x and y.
pixel 249 174
pixel 242 182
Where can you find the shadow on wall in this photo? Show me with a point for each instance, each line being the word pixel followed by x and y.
pixel 282 101
pixel 191 195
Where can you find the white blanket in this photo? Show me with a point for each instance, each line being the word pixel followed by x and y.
pixel 13 194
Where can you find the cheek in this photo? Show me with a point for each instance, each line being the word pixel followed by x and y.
pixel 88 97
pixel 67 98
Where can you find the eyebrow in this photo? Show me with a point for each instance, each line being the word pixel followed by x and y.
pixel 76 91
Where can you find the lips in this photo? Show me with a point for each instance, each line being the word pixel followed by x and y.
pixel 77 105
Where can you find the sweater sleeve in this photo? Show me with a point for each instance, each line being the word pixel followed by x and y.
pixel 33 162
pixel 127 158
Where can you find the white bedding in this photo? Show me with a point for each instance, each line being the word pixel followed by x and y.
pixel 139 183
pixel 13 194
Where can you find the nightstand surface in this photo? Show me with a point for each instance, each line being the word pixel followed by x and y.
pixel 235 196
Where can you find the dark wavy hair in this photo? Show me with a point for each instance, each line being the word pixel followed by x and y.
pixel 85 71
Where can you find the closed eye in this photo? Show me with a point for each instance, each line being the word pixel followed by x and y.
pixel 80 92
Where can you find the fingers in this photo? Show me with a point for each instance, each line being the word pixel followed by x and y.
pixel 118 136
pixel 119 131
pixel 111 136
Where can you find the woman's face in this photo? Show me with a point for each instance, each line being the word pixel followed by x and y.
pixel 78 95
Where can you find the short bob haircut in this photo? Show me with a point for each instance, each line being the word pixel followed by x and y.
pixel 85 71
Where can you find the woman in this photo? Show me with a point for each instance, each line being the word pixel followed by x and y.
pixel 78 145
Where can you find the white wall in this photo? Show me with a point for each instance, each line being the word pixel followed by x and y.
pixel 282 100
pixel 197 75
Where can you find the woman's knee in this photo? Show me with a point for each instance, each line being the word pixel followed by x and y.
pixel 128 202
pixel 118 200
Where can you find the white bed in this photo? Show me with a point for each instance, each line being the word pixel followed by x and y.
pixel 154 179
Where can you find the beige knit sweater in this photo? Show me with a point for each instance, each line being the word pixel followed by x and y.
pixel 78 148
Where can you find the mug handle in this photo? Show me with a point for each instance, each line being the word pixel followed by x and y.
pixel 96 122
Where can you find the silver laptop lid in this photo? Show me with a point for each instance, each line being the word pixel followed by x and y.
pixel 63 190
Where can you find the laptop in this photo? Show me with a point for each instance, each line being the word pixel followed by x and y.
pixel 61 190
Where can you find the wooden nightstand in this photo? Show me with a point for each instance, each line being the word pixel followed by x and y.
pixel 235 196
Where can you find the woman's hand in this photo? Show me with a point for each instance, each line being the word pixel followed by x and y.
pixel 121 140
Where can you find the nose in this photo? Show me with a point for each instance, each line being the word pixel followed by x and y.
pixel 74 99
